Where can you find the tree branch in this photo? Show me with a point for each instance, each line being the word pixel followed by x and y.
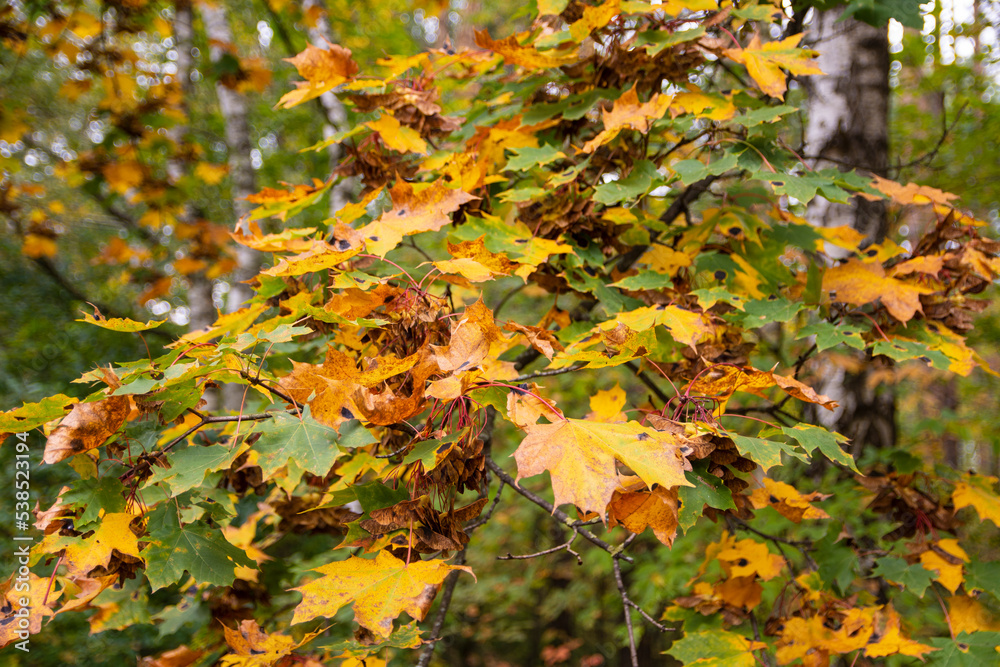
pixel 559 515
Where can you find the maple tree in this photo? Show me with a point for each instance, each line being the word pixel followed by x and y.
pixel 577 211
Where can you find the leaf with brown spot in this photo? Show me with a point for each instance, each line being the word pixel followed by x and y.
pixel 541 339
pixel 413 211
pixel 86 428
pixel 860 283
pixel 471 340
pixel 787 500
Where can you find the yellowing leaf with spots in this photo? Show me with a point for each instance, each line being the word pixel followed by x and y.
pixel 787 500
pixel 474 262
pixel 764 62
pixel 113 539
pixel 379 590
pixel 749 557
pixel 860 283
pixel 413 211
pixel 581 457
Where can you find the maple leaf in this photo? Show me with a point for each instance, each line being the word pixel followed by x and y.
pixel 475 262
pixel 628 113
pixel 526 56
pixel 413 211
pixel 32 604
pixel 860 283
pixel 86 427
pixel 638 510
pixel 471 340
pixel 252 647
pixel 787 500
pixel 543 340
pixel 946 558
pixel 764 63
pixel 580 456
pixel 322 69
pixel 397 136
pixel 723 381
pixel 716 648
pixel 379 590
pixel 891 640
pixel 749 557
pixel 977 491
pixel 114 537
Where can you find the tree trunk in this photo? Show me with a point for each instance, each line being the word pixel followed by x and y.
pixel 233 106
pixel 848 127
pixel 336 115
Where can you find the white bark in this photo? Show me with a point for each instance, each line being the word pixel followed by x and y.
pixel 233 106
pixel 848 127
pixel 336 115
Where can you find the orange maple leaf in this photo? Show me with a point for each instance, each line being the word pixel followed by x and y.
pixel 322 69
pixel 628 113
pixel 860 283
pixel 513 53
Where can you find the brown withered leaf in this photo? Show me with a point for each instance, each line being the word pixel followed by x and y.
pixel 724 380
pixel 543 340
pixel 86 427
pixel 471 340
pixel 638 510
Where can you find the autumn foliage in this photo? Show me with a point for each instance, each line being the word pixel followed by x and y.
pixel 562 212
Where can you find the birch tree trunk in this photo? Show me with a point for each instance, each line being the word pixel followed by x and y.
pixel 233 106
pixel 848 127
pixel 199 294
pixel 336 115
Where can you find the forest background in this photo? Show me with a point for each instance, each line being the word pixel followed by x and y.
pixel 134 136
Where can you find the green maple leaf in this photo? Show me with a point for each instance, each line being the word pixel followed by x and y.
pixel 196 548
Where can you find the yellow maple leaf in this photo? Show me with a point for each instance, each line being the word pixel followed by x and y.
pixel 892 641
pixel 606 405
pixel 581 457
pixel 378 590
pixel 397 136
pixel 765 62
pixel 513 53
pixel 787 500
pixel 413 211
pixel 749 557
pixel 977 491
pixel 946 559
pixel 594 17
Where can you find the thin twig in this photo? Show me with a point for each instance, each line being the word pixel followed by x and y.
pixel 628 613
pixel 559 515
pixel 550 373
pixel 449 590
pixel 566 546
